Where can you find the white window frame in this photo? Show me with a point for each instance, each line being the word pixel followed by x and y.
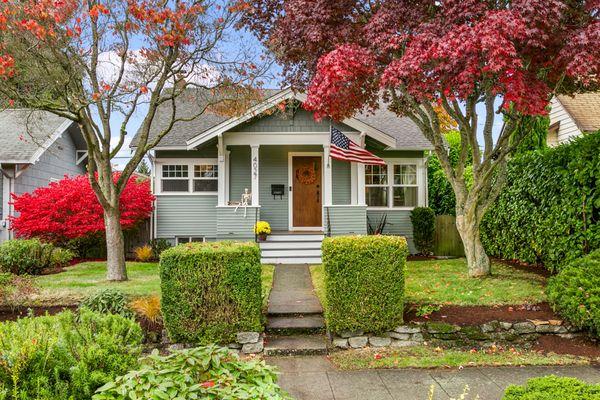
pixel 421 183
pixel 189 238
pixel 202 178
pixel 190 163
pixel 386 185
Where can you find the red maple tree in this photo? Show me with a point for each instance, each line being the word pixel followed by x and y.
pixel 99 63
pixel 69 209
pixel 506 57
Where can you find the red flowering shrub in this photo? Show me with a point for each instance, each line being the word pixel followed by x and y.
pixel 68 209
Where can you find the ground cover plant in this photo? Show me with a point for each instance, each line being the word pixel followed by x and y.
pixel 211 291
pixel 108 301
pixel 66 356
pixel 548 212
pixel 551 388
pixel 575 292
pixel 433 283
pixel 207 372
pixel 438 357
pixel 364 282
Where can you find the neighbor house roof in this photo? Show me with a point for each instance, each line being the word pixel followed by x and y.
pixel 399 133
pixel 584 108
pixel 26 134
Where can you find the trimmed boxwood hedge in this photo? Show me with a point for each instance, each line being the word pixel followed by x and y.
pixel 423 222
pixel 364 282
pixel 553 388
pixel 575 292
pixel 549 210
pixel 211 291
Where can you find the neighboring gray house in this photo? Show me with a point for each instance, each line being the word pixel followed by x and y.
pixel 35 148
pixel 571 117
pixel 202 169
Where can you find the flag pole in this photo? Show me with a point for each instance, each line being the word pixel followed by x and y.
pixel 330 133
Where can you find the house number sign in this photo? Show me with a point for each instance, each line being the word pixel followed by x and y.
pixel 255 167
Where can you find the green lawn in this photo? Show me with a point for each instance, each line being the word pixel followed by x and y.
pixel 446 282
pixel 80 280
pixel 430 357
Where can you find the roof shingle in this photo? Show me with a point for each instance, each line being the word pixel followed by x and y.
pixel 585 110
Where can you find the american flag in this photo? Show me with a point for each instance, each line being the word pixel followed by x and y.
pixel 345 149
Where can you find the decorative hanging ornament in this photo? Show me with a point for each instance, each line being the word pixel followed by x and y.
pixel 306 175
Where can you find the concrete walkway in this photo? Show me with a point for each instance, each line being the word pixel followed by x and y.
pixel 292 291
pixel 314 378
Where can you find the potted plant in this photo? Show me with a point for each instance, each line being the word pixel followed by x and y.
pixel 262 229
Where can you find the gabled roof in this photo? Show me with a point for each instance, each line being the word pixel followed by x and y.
pixel 26 134
pixel 384 126
pixel 584 108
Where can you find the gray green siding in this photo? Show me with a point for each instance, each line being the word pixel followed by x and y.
pixel 398 223
pixel 301 121
pixel 239 171
pixel 341 186
pixel 56 162
pixel 233 225
pixel 186 215
pixel 347 220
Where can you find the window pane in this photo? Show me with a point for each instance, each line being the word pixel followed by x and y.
pixel 376 174
pixel 376 196
pixel 205 185
pixel 175 171
pixel 197 239
pixel 405 196
pixel 206 171
pixel 181 240
pixel 405 174
pixel 175 185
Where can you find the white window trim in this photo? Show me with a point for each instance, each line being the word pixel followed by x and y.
pixel 190 239
pixel 190 162
pixel 421 184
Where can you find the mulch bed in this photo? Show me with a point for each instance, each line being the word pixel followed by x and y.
pixel 477 315
pixel 11 314
pixel 579 346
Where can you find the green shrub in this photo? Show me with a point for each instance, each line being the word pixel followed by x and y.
pixel 364 282
pixel 108 301
pixel 423 222
pixel 201 373
pixel 61 258
pixel 553 388
pixel 66 356
pixel 575 292
pixel 158 246
pixel 25 256
pixel 549 211
pixel 211 291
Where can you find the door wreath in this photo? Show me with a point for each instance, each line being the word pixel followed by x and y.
pixel 306 175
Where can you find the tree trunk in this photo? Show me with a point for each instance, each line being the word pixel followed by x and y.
pixel 115 246
pixel 478 261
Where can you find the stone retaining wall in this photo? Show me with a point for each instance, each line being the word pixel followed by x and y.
pixel 246 342
pixel 494 331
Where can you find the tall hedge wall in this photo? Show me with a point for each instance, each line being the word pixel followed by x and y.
pixel 364 282
pixel 550 210
pixel 211 291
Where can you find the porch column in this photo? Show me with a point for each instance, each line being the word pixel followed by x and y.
pixel 360 177
pixel 222 175
pixel 327 177
pixel 254 167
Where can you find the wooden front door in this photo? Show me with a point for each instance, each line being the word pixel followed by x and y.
pixel 306 192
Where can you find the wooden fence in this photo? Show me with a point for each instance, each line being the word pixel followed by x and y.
pixel 447 240
pixel 139 237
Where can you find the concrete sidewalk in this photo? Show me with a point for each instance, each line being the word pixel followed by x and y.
pixel 314 378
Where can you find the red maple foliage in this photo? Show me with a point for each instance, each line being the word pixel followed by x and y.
pixel 521 50
pixel 69 209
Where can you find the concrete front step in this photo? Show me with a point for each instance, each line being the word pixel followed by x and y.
pixel 292 253
pixel 299 345
pixel 293 302
pixel 291 260
pixel 295 238
pixel 290 245
pixel 301 324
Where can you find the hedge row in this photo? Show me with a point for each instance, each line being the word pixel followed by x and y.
pixel 364 282
pixel 31 257
pixel 211 291
pixel 549 211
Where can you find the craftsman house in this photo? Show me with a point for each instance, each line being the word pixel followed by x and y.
pixel 36 147
pixel 573 116
pixel 278 155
